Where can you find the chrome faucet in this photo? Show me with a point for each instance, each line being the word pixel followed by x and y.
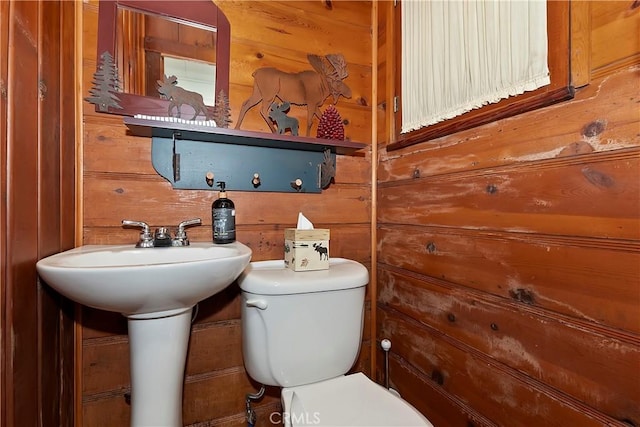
pixel 181 235
pixel 146 239
pixel 161 237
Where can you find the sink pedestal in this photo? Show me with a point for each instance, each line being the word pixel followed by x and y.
pixel 156 289
pixel 158 352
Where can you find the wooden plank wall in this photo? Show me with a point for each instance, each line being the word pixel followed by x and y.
pixel 37 159
pixel 119 182
pixel 509 254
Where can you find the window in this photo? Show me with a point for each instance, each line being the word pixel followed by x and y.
pixel 557 90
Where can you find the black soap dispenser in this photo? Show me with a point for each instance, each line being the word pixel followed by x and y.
pixel 223 215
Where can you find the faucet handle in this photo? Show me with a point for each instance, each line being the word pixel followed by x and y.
pixel 146 239
pixel 181 235
pixel 194 221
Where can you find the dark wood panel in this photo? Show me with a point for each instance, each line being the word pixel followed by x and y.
pixel 5 380
pixel 266 414
pixel 68 126
pixel 498 392
pixel 595 197
pixel 112 410
pixel 56 365
pixel 226 351
pixel 99 323
pixel 223 306
pixel 363 362
pixel 567 356
pixel 441 408
pixel 219 395
pixel 21 354
pixel 108 412
pixel 37 210
pixel 105 364
pixel 590 279
pixel 102 357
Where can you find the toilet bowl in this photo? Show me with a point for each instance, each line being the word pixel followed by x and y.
pixel 302 331
pixel 350 400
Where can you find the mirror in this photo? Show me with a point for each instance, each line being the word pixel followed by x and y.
pixel 144 38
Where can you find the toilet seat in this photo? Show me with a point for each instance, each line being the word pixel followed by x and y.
pixel 347 401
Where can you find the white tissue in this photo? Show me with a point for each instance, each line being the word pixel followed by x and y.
pixel 304 223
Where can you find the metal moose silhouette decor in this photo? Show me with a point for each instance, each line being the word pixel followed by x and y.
pixel 309 88
pixel 178 96
pixel 278 113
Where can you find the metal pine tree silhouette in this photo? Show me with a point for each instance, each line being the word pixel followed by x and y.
pixel 105 83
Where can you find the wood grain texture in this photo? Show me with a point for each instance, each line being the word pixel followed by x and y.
pixel 497 391
pixel 614 29
pixel 440 407
pixel 580 43
pixel 583 279
pixel 594 197
pixel 127 197
pixel 560 357
pixel 119 182
pixel 520 306
pixel 37 126
pixel 529 223
pixel 602 117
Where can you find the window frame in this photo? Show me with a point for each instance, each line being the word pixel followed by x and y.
pixel 560 89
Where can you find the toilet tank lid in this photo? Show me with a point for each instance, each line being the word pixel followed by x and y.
pixel 273 278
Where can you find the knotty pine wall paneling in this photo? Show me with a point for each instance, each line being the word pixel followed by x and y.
pixel 509 254
pixel 119 182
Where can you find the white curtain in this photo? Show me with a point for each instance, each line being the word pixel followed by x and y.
pixel 458 55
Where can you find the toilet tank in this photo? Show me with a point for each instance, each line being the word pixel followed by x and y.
pixel 301 327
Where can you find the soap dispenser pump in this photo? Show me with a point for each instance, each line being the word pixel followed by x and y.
pixel 223 215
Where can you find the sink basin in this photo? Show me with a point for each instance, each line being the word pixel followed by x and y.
pixel 156 289
pixel 137 281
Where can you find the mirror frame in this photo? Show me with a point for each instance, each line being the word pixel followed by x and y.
pixel 200 12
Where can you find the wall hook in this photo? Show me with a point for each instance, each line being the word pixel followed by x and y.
pixel 256 180
pixel 209 178
pixel 296 184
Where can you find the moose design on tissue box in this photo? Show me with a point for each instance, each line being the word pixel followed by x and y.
pixel 306 250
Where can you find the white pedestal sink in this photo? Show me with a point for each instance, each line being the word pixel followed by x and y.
pixel 156 289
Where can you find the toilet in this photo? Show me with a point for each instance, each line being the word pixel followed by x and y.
pixel 302 331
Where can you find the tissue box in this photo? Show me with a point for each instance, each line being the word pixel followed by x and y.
pixel 306 250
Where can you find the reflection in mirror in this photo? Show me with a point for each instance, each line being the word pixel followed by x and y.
pixel 150 46
pixel 144 37
pixel 195 76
